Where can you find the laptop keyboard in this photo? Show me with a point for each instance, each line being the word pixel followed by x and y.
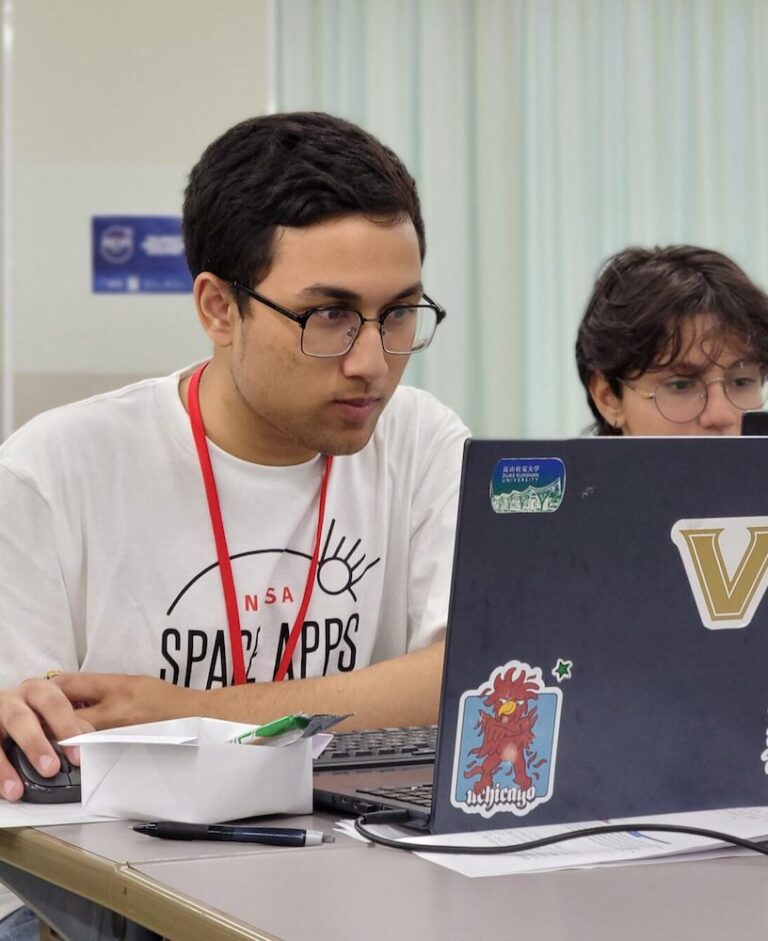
pixel 419 794
pixel 412 745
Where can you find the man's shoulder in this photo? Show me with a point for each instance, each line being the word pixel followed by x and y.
pixel 410 404
pixel 416 422
pixel 119 412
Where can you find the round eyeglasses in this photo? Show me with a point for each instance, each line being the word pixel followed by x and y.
pixel 682 399
pixel 331 331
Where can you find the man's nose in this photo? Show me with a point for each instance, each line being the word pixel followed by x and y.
pixel 366 358
pixel 719 412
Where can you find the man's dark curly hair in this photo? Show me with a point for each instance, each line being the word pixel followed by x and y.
pixel 640 302
pixel 292 169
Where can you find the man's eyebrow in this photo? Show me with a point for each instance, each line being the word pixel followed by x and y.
pixel 324 291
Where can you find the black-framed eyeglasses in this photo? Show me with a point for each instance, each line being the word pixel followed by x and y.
pixel 683 398
pixel 332 330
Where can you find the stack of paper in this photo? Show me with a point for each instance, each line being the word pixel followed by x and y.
pixel 610 849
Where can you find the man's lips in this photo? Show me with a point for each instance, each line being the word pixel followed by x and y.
pixel 357 409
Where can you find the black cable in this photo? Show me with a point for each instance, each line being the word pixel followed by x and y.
pixel 400 816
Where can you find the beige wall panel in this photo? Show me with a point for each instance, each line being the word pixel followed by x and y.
pixel 37 392
pixel 112 103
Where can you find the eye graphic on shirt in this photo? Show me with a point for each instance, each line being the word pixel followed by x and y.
pixel 340 568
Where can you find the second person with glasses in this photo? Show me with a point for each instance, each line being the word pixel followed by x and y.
pixel 674 341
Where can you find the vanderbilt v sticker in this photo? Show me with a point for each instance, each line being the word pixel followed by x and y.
pixel 726 561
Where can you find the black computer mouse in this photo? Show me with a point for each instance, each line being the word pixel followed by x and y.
pixel 62 788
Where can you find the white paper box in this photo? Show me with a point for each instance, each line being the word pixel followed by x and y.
pixel 184 769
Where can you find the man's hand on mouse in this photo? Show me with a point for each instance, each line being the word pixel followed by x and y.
pixel 24 711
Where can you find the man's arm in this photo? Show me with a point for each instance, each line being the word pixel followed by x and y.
pixel 36 629
pixel 402 691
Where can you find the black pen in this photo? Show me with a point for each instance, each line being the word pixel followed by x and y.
pixel 271 836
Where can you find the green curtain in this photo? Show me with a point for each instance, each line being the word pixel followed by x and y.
pixel 544 135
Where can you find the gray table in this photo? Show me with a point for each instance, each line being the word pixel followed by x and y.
pixel 345 891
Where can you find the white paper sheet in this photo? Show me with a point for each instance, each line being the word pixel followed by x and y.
pixel 21 814
pixel 749 823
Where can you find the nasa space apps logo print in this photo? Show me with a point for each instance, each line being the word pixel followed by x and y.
pixel 506 743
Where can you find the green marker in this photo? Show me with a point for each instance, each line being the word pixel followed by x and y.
pixel 288 729
pixel 271 729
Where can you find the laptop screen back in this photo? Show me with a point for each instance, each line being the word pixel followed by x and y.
pixel 607 649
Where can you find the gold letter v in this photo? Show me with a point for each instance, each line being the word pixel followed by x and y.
pixel 727 598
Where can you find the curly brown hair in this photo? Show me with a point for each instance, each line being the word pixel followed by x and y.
pixel 640 302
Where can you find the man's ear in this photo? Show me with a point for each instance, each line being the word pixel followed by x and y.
pixel 610 406
pixel 216 307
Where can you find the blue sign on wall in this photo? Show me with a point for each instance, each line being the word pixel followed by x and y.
pixel 139 255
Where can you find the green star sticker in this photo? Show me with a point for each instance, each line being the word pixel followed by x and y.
pixel 563 670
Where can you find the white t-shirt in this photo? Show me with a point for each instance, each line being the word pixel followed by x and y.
pixel 108 561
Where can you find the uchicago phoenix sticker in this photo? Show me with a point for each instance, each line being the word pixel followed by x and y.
pixel 506 743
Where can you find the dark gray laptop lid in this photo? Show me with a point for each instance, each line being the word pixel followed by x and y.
pixel 607 650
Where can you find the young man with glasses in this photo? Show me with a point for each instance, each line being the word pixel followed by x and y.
pixel 175 547
pixel 674 341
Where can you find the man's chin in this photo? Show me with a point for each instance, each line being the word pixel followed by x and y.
pixel 340 445
pixel 342 442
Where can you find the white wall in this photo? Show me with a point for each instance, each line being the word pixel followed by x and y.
pixel 111 103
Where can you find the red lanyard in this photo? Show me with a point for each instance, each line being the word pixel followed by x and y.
pixel 222 550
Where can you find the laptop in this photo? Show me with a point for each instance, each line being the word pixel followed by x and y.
pixel 607 642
